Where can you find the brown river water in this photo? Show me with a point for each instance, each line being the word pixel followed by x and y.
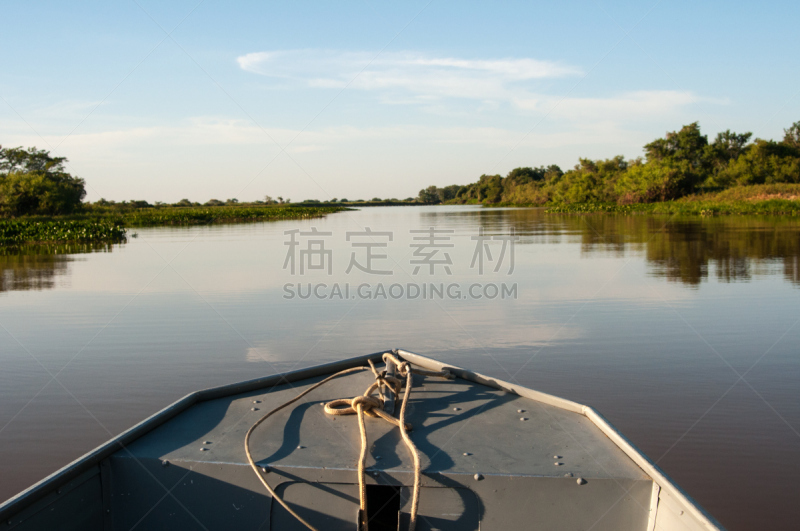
pixel 684 333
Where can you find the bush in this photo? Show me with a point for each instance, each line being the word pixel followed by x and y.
pixel 34 183
pixel 40 193
pixel 658 180
pixel 589 182
pixel 765 162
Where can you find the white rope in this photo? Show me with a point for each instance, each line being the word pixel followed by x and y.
pixel 362 405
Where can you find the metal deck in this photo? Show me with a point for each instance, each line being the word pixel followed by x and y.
pixel 494 456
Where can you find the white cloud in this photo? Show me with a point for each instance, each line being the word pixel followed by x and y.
pixel 626 106
pixel 404 78
pixel 424 76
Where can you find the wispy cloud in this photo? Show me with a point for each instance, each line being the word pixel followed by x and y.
pixel 426 77
pixel 404 78
pixel 625 106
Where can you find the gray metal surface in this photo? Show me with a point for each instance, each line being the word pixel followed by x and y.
pixel 670 507
pixel 75 506
pixel 43 496
pixel 530 468
pixel 486 425
pixel 494 456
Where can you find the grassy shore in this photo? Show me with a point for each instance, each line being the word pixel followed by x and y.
pixel 109 225
pixel 155 217
pixel 764 199
pixel 772 207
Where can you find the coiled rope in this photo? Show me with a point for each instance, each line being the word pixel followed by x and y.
pixel 366 404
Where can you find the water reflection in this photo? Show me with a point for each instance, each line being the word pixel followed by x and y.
pixel 686 251
pixel 38 267
pixel 730 249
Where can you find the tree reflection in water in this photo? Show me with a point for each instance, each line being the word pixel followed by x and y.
pixel 686 250
pixel 689 250
pixel 38 266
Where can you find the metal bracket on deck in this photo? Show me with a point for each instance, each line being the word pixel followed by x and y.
pixel 651 518
pixel 389 403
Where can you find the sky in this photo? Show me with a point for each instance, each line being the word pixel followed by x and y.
pixel 317 100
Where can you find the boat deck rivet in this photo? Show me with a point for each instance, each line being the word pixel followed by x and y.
pixel 203 449
pixel 253 409
pixel 478 477
pixel 376 473
pixel 377 458
pixel 256 401
pixel 164 463
pixel 556 457
pixel 467 453
pixel 206 442
pixel 568 475
pixel 558 464
pixel 300 447
pixel 520 411
pixel 265 469
pixel 456 409
pixel 581 481
pixel 523 418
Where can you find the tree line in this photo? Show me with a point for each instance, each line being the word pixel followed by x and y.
pixel 33 182
pixel 682 163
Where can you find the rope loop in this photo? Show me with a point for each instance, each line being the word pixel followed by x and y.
pixel 365 405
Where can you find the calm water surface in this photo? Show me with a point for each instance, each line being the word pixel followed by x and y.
pixel 684 333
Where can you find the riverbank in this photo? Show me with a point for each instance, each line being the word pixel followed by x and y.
pixel 771 207
pixel 110 225
pixel 764 199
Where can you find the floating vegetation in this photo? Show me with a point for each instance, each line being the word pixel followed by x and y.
pixel 21 230
pixel 154 217
pixel 111 226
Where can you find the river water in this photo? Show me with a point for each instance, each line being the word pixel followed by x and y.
pixel 684 333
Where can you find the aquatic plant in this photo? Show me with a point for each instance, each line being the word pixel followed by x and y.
pixel 16 231
pixel 153 217
pixel 109 225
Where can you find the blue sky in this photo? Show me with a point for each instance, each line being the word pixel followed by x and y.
pixel 161 101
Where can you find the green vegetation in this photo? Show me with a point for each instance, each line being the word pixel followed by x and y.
pixel 774 207
pixel 681 172
pixel 152 217
pixel 107 223
pixel 40 202
pixel 34 183
pixel 762 199
pixel 375 201
pixel 16 231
